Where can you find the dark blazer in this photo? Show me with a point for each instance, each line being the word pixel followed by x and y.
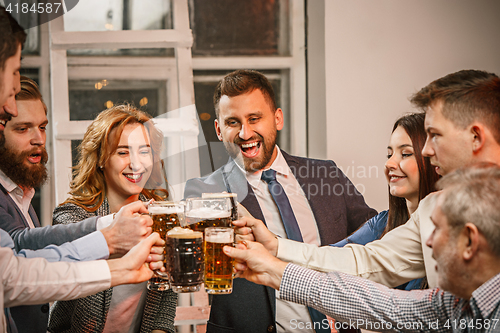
pixel 339 209
pixel 34 318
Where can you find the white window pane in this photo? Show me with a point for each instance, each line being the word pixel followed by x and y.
pixel 99 15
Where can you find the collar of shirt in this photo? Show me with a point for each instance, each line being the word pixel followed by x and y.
pixel 22 198
pixel 279 165
pixel 10 186
pixel 487 296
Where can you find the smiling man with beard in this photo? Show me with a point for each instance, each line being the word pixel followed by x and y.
pixel 298 198
pixel 22 144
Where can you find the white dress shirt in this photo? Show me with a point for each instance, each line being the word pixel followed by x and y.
pixel 286 311
pixel 36 281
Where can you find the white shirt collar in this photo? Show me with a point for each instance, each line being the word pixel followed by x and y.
pixel 12 187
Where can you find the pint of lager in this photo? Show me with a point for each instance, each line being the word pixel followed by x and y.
pixel 218 266
pixel 185 262
pixel 202 213
pixel 165 215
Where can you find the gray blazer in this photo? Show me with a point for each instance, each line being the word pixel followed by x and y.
pixel 339 209
pixel 34 318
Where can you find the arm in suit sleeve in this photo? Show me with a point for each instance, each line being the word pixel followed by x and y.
pixel 393 260
pixel 38 238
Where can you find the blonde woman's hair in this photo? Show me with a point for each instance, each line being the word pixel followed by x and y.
pixel 88 187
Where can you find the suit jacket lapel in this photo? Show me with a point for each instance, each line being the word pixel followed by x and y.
pixel 13 203
pixel 33 216
pixel 238 184
pixel 320 204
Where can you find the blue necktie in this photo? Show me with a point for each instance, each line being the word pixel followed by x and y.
pixel 291 227
pixel 278 193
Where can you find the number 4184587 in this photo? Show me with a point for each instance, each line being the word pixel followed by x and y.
pixel 39 8
pixel 479 324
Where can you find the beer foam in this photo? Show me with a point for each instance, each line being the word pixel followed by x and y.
pixel 218 195
pixel 165 209
pixel 221 237
pixel 207 213
pixel 179 232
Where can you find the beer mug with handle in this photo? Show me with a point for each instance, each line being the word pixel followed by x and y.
pixel 165 215
pixel 208 212
pixel 185 260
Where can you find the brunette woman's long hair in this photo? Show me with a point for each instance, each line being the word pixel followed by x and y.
pixel 88 187
pixel 413 124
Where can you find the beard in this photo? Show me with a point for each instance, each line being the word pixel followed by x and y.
pixel 452 276
pixel 257 163
pixel 21 172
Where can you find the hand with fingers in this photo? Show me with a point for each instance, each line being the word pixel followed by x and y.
pixel 138 264
pixel 254 263
pixel 130 225
pixel 251 229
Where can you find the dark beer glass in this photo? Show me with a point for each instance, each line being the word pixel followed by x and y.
pixel 185 260
pixel 218 266
pixel 165 215
pixel 202 213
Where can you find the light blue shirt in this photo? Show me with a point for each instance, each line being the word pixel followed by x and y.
pixel 90 247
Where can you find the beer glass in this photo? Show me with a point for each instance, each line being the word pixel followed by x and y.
pixel 218 266
pixel 232 200
pixel 208 212
pixel 185 260
pixel 165 215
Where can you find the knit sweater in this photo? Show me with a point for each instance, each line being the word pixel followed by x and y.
pixel 89 314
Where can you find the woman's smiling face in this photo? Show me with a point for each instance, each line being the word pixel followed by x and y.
pixel 401 168
pixel 128 168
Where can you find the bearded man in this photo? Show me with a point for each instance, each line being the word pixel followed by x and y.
pixel 302 199
pixel 22 168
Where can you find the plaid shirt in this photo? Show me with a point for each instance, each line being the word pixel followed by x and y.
pixel 358 303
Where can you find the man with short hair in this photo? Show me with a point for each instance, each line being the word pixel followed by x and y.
pixel 465 243
pixel 299 198
pixel 463 126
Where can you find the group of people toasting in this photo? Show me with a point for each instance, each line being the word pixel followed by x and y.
pixel 297 255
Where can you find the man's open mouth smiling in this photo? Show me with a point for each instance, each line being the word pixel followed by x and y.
pixel 250 150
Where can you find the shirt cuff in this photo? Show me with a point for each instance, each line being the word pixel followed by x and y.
pixel 92 246
pixel 104 221
pixel 296 284
pixel 92 277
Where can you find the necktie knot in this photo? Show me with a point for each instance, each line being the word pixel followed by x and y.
pixel 268 176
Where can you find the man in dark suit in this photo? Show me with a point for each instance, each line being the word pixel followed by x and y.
pixel 320 206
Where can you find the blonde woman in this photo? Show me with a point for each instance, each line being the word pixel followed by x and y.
pixel 118 164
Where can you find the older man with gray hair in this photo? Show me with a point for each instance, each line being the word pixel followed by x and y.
pixel 465 245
